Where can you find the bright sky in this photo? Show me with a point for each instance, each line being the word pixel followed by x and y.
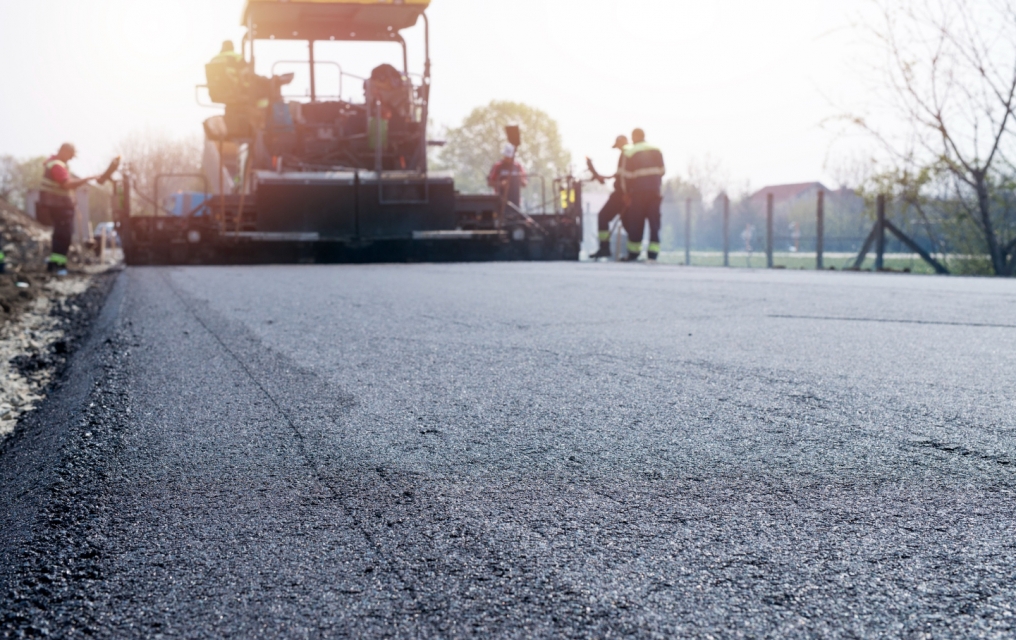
pixel 744 81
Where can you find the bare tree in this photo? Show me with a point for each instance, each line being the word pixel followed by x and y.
pixel 18 177
pixel 950 78
pixel 709 176
pixel 149 154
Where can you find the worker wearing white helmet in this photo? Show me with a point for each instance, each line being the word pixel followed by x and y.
pixel 615 205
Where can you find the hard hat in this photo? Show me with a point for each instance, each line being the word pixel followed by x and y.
pixel 621 142
pixel 508 150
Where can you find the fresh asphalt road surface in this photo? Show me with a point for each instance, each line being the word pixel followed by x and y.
pixel 519 450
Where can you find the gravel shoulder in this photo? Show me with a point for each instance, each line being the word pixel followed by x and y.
pixel 42 317
pixel 48 319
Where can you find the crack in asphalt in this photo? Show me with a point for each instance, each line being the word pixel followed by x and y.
pixel 960 450
pixel 936 323
pixel 308 457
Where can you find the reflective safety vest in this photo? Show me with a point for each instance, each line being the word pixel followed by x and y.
pixel 51 186
pixel 227 57
pixel 231 61
pixel 642 168
pixel 226 78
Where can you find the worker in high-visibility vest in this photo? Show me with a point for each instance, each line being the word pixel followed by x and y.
pixel 642 171
pixel 614 206
pixel 56 205
pixel 228 55
pixel 226 75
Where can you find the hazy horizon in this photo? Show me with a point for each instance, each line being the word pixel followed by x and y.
pixel 746 84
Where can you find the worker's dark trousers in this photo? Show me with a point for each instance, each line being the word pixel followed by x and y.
pixel 613 208
pixel 645 206
pixel 514 196
pixel 63 228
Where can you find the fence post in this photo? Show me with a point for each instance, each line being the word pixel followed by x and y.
pixel 880 234
pixel 820 230
pixel 687 232
pixel 726 230
pixel 769 231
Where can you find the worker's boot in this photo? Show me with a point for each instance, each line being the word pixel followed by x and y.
pixel 634 251
pixel 56 268
pixel 604 251
pixel 654 251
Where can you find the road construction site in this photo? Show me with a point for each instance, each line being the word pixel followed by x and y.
pixel 394 442
pixel 519 450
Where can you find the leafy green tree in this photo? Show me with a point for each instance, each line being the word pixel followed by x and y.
pixel 474 147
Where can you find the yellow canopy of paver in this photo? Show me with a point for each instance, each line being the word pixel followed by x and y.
pixel 331 19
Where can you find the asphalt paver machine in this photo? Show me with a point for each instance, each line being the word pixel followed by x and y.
pixel 325 178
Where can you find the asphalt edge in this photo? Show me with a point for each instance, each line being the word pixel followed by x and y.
pixel 37 469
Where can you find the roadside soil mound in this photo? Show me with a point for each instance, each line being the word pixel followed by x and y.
pixel 26 244
pixel 25 241
pixel 41 316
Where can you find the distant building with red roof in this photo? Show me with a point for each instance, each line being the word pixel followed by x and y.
pixel 784 193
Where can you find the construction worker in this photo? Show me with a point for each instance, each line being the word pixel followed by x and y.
pixel 642 172
pixel 615 205
pixel 228 55
pixel 508 176
pixel 225 75
pixel 56 205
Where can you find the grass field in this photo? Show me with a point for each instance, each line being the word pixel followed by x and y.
pixel 786 260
